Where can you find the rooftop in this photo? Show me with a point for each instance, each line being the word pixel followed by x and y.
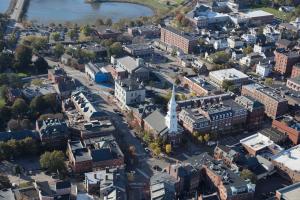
pixel 257 141
pixel 289 158
pixel 290 192
pixel 185 35
pixel 258 13
pixel 228 74
pixel 130 84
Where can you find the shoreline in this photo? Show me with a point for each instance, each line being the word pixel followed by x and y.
pixel 155 9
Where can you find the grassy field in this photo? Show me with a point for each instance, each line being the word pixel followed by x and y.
pixel 281 15
pixel 2 103
pixel 159 6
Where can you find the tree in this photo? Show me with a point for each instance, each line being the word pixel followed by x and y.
pixel 99 22
pixel 55 36
pixel 168 148
pixel 132 150
pixel 19 107
pixel 177 81
pixel 227 84
pixel 38 104
pixel 246 174
pixel 200 138
pixel 116 49
pixel 220 57
pixel 108 22
pixel 247 50
pixel 53 161
pixel 268 81
pixel 72 33
pixel 13 125
pixel 206 137
pixel 40 65
pixel 86 30
pixel 58 50
pixel 4 182
pixel 23 57
pixel 50 101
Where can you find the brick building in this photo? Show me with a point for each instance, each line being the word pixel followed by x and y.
pixel 275 105
pixel 287 163
pixel 180 40
pixel 288 126
pixel 295 70
pixel 293 83
pixel 285 61
pixel 229 185
pixel 218 117
pixel 255 111
pixel 199 85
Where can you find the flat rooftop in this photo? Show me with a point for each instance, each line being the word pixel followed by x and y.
pixel 228 74
pixel 290 158
pixel 258 13
pixel 257 141
pixel 290 192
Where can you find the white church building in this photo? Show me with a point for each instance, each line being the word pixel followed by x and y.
pixel 165 126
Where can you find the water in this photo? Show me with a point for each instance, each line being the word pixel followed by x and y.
pixel 59 11
pixel 4 5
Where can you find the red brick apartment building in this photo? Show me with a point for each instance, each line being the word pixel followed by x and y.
pixel 180 40
pixel 285 61
pixel 296 70
pixel 287 128
pixel 275 105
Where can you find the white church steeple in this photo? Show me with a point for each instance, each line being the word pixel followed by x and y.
pixel 171 118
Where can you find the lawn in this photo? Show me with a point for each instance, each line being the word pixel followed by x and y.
pixel 281 15
pixel 2 103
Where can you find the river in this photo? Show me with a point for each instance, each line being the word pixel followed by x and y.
pixel 4 5
pixel 60 11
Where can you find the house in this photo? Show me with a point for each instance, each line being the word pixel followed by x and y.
pixel 163 186
pixel 86 107
pixel 52 132
pixel 65 87
pixel 220 44
pixel 135 67
pixel 251 59
pixel 235 42
pixel 264 69
pixel 53 190
pixel 249 38
pixel 112 183
pixel 66 59
pixel 56 74
pixel 146 31
pixel 97 72
pixel 130 91
pixel 139 50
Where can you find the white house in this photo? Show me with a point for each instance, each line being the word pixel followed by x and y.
pixel 220 44
pixel 264 69
pixel 249 38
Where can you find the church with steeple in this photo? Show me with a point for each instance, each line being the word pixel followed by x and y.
pixel 165 126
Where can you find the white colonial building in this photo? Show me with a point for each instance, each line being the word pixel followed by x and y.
pixel 264 69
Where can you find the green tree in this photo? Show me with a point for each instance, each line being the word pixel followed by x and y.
pixel 246 174
pixel 38 104
pixel 51 101
pixel 86 30
pixel 220 57
pixel 55 36
pixel 227 84
pixel 23 57
pixel 41 65
pixel 108 22
pixel 247 50
pixel 116 49
pixel 58 50
pixel 53 161
pixel 19 107
pixel 268 81
pixel 72 33
pixel 168 148
pixel 206 137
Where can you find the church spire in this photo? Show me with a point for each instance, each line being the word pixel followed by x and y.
pixel 171 118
